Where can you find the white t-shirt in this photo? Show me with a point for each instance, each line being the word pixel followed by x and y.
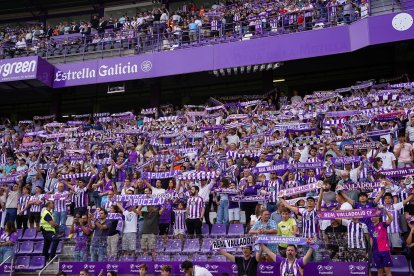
pixel 131 220
pixel 201 271
pixel 304 154
pixel 233 139
pixel 157 191
pixel 387 158
pixel 346 206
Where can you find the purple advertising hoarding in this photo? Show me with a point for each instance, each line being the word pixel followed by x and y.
pixel 216 268
pixel 16 69
pixel 329 41
pixel 341 39
pixel 26 68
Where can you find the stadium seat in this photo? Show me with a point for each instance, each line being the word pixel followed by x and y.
pixel 22 263
pixel 205 229
pixel 58 249
pixel 236 230
pixel 173 246
pixel 191 246
pixel 179 258
pixel 143 258
pixel 29 234
pixel 218 258
pixel 159 245
pixel 25 248
pixel 199 258
pixel 206 245
pixel 218 230
pixel 37 263
pixel 19 234
pixel 127 259
pixel 163 258
pixel 39 236
pixel 38 248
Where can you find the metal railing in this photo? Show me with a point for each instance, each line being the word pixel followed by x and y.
pixel 159 37
pixel 49 263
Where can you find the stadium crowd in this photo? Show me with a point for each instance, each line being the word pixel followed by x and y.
pixel 187 24
pixel 129 178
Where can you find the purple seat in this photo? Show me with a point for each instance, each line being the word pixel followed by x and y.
pixel 19 234
pixel 163 258
pixel 159 245
pixel 29 234
pixel 58 249
pixel 205 230
pixel 37 263
pixel 38 248
pixel 173 246
pixel 39 236
pixel 144 258
pixel 218 230
pixel 179 258
pixel 22 263
pixel 127 259
pixel 206 246
pixel 199 258
pixel 25 248
pixel 192 246
pixel 236 230
pixel 218 258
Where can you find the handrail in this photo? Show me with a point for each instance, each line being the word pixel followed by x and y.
pixel 50 262
pixel 6 260
pixel 11 266
pixel 2 264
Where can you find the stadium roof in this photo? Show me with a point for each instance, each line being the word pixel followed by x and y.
pixel 36 9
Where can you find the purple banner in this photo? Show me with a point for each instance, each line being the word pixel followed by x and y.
pixel 336 268
pixel 398 172
pixel 26 68
pixel 300 45
pixel 356 213
pixel 160 175
pixel 216 268
pixel 300 190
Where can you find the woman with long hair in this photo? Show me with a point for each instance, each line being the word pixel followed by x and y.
pixel 8 240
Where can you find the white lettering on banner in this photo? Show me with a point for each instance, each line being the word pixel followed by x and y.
pixel 85 73
pixel 104 70
pixel 9 68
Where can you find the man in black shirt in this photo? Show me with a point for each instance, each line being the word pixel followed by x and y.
pixel 246 265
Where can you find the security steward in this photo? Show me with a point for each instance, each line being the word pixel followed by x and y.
pixel 48 227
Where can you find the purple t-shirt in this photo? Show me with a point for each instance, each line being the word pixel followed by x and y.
pixel 82 239
pixel 368 205
pixel 108 186
pixel 294 269
pixel 5 237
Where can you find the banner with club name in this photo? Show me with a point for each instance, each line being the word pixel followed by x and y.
pixel 398 172
pixel 300 189
pixel 138 200
pixel 232 243
pixel 361 186
pixel 349 214
pixel 284 240
pixel 160 175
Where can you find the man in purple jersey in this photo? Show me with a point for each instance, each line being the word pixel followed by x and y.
pixel 291 265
